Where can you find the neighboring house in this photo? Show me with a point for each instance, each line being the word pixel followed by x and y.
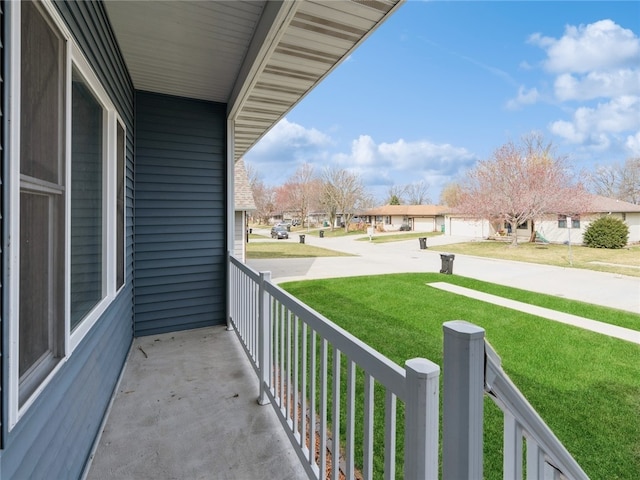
pixel 120 126
pixel 243 203
pixel 420 218
pixel 555 228
pixel 552 228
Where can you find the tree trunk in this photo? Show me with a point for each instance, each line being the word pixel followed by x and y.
pixel 514 234
pixel 532 238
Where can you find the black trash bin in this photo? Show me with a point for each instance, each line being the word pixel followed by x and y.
pixel 288 228
pixel 321 233
pixel 301 238
pixel 423 242
pixel 447 263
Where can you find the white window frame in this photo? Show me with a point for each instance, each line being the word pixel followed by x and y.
pixel 74 58
pixel 120 122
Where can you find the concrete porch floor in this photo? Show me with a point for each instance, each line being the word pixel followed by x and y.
pixel 186 408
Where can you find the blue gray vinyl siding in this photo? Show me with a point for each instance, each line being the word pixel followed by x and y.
pixel 54 437
pixel 180 213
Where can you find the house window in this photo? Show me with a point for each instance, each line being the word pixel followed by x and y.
pixel 67 201
pixel 562 221
pixel 42 200
pixel 387 220
pixel 87 256
pixel 524 225
pixel 575 221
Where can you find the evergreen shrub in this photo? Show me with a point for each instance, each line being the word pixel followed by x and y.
pixel 606 232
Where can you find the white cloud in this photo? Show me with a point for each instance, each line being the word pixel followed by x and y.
pixel 593 125
pixel 525 97
pixel 633 144
pixel 403 162
pixel 598 46
pixel 292 135
pixel 380 165
pixel 285 147
pixel 597 84
pixel 595 62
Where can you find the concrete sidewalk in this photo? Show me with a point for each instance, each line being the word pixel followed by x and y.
pixel 606 289
pixel 561 317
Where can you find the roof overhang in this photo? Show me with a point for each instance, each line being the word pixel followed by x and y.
pixel 260 58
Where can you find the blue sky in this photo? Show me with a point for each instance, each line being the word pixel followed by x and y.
pixel 442 84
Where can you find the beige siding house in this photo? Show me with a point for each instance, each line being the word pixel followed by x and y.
pixel 420 218
pixel 551 228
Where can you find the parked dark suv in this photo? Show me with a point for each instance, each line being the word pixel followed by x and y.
pixel 279 232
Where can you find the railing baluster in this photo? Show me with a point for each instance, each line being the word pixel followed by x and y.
pixel 367 467
pixel 335 417
pixel 512 448
pixel 390 436
pixel 276 351
pixel 350 427
pixel 253 314
pixel 296 373
pixel 282 354
pixel 322 451
pixel 312 399
pixel 288 376
pixel 535 460
pixel 303 387
pixel 264 335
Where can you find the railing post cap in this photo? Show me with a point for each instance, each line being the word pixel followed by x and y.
pixel 461 328
pixel 423 367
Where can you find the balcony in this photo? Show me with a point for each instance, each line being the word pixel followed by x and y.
pixel 189 403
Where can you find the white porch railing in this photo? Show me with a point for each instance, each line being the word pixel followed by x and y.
pixel 300 356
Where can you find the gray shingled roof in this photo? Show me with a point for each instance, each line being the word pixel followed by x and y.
pixel 243 197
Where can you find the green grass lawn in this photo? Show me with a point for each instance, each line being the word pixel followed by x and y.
pixel 282 249
pixel 586 386
pixel 625 261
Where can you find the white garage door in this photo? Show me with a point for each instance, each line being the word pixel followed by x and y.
pixel 423 224
pixel 467 227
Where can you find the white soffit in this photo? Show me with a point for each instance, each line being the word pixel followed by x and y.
pixel 207 50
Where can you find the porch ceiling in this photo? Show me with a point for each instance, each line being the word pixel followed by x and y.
pixel 260 58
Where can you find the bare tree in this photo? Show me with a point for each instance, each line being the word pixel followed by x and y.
pixel 300 194
pixel 253 175
pixel 630 181
pixel 450 194
pixel 395 195
pixel 620 181
pixel 520 183
pixel 418 193
pixel 342 193
pixel 264 198
pixel 604 180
